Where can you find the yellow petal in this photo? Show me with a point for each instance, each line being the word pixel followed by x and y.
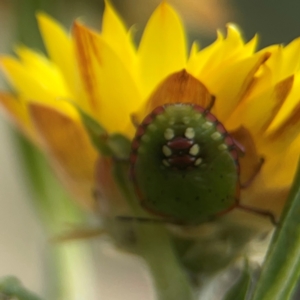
pixel 258 112
pixel 230 84
pixel 264 77
pixel 30 85
pixel 291 58
pixel 113 94
pixel 66 142
pixel 60 49
pixel 162 50
pixel 289 129
pixel 288 107
pixel 198 62
pixel 115 34
pixel 228 51
pixel 37 64
pixel 271 199
pixel 17 112
pixel 270 188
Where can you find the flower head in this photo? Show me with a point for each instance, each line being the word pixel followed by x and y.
pixel 114 82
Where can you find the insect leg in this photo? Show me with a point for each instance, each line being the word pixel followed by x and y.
pixel 261 212
pixel 241 149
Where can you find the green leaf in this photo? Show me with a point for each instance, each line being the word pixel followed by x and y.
pixel 97 133
pixel 11 288
pixel 120 146
pixel 241 288
pixel 153 243
pixel 281 269
pixel 116 145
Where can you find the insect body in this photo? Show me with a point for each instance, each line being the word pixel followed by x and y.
pixel 184 164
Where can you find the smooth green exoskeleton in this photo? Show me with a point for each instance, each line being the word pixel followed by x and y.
pixel 184 164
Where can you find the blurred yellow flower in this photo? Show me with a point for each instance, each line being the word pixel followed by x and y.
pixel 110 79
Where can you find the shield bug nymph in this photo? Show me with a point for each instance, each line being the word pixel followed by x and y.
pixel 184 164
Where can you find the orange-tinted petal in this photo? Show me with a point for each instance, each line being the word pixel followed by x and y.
pixel 250 160
pixel 288 106
pixel 180 87
pixel 113 94
pixel 18 114
pixel 67 143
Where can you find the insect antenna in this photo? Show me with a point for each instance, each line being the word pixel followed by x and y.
pixel 134 120
pixel 211 103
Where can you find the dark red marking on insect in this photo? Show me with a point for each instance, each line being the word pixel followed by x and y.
pixel 199 109
pixel 181 161
pixel 210 117
pixel 135 144
pixel 148 120
pixel 180 143
pixel 220 127
pixel 140 131
pixel 158 110
pixel 133 158
pixel 229 140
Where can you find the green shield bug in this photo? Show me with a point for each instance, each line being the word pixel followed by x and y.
pixel 184 164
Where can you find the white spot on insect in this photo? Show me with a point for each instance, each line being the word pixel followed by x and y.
pixel 166 163
pixel 216 136
pixel 198 161
pixel 207 125
pixel 194 150
pixel 186 120
pixel 169 134
pixel 223 147
pixel 161 117
pixel 197 117
pixel 152 127
pixel 166 151
pixel 145 138
pixel 189 133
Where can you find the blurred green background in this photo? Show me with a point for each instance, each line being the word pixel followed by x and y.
pixel 23 240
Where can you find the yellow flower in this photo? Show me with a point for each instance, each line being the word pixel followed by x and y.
pixel 112 80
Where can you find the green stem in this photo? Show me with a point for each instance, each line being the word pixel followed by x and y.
pixel 281 269
pixel 171 282
pixel 153 243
